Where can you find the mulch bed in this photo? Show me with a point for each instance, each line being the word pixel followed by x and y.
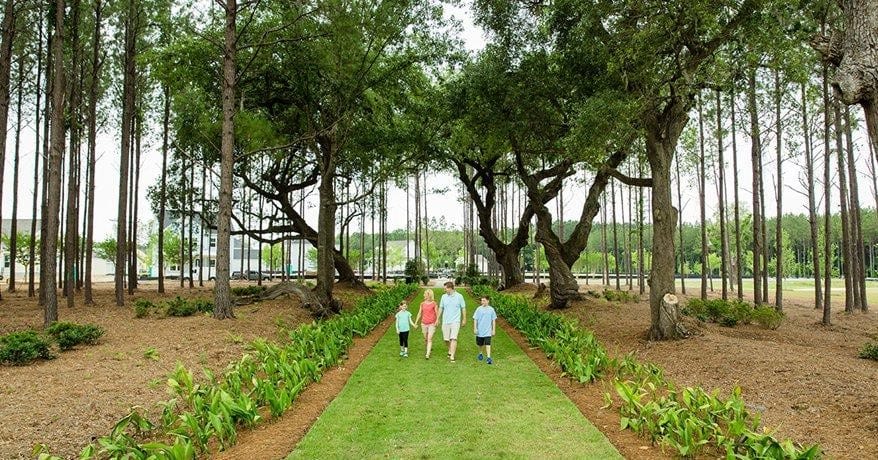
pixel 80 395
pixel 803 378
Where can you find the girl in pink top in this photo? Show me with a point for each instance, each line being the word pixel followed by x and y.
pixel 427 317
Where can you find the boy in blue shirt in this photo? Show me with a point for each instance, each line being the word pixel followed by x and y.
pixel 484 327
pixel 403 320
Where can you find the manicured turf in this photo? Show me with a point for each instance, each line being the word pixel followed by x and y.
pixel 416 408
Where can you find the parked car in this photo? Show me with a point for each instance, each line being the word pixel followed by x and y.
pixel 254 275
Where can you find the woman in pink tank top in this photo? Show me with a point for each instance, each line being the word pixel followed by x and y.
pixel 427 315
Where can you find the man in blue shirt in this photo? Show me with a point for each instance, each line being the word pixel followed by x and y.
pixel 452 310
pixel 484 327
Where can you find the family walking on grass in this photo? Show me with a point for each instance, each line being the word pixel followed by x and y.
pixel 452 311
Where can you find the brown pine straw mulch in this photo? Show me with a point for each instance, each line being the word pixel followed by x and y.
pixel 80 395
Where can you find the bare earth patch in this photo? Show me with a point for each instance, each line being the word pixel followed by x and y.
pixel 804 379
pixel 81 394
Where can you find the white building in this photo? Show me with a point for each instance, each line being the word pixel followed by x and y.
pixel 100 267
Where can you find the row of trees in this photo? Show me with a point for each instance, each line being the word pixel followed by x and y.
pixel 270 103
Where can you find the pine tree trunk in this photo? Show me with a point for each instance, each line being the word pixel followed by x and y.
pixel 756 158
pixel 201 225
pixel 827 214
pixel 128 88
pixel 31 291
pixel 604 249
pixel 190 247
pixel 44 206
pixel 856 218
pixel 163 190
pixel 778 231
pixel 71 240
pixel 615 235
pixel 94 85
pixel 701 202
pixel 721 168
pixel 812 203
pixel 640 253
pixel 682 252
pixel 223 299
pixel 13 227
pixel 846 249
pixel 426 227
pixel 857 225
pixel 53 201
pixel 7 37
pixel 739 257
pixel 135 195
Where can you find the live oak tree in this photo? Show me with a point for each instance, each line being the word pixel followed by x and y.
pixel 660 73
pixel 310 125
pixel 850 49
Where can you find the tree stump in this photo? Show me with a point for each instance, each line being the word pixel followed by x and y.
pixel 669 315
pixel 541 291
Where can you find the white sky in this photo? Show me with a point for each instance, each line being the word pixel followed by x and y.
pixel 446 203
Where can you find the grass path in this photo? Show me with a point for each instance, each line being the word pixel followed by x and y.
pixel 394 407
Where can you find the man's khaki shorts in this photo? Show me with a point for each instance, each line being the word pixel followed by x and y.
pixel 449 331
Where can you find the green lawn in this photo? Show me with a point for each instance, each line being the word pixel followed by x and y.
pixel 794 289
pixel 415 408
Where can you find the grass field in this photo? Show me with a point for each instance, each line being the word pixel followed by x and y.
pixel 794 289
pixel 394 407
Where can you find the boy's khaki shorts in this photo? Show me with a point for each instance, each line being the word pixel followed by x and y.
pixel 449 331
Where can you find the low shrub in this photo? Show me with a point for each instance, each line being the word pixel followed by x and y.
pixel 143 308
pixel 179 306
pixel 248 291
pixel 767 317
pixel 18 348
pixel 613 295
pixel 727 313
pixel 185 307
pixel 869 351
pixel 69 335
pixel 202 305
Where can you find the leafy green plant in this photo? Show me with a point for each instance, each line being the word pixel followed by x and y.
pixel 179 306
pixel 245 291
pixel 69 335
pixel 151 353
pixel 613 295
pixel 202 305
pixel 767 317
pixel 23 347
pixel 143 308
pixel 727 313
pixel 869 351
